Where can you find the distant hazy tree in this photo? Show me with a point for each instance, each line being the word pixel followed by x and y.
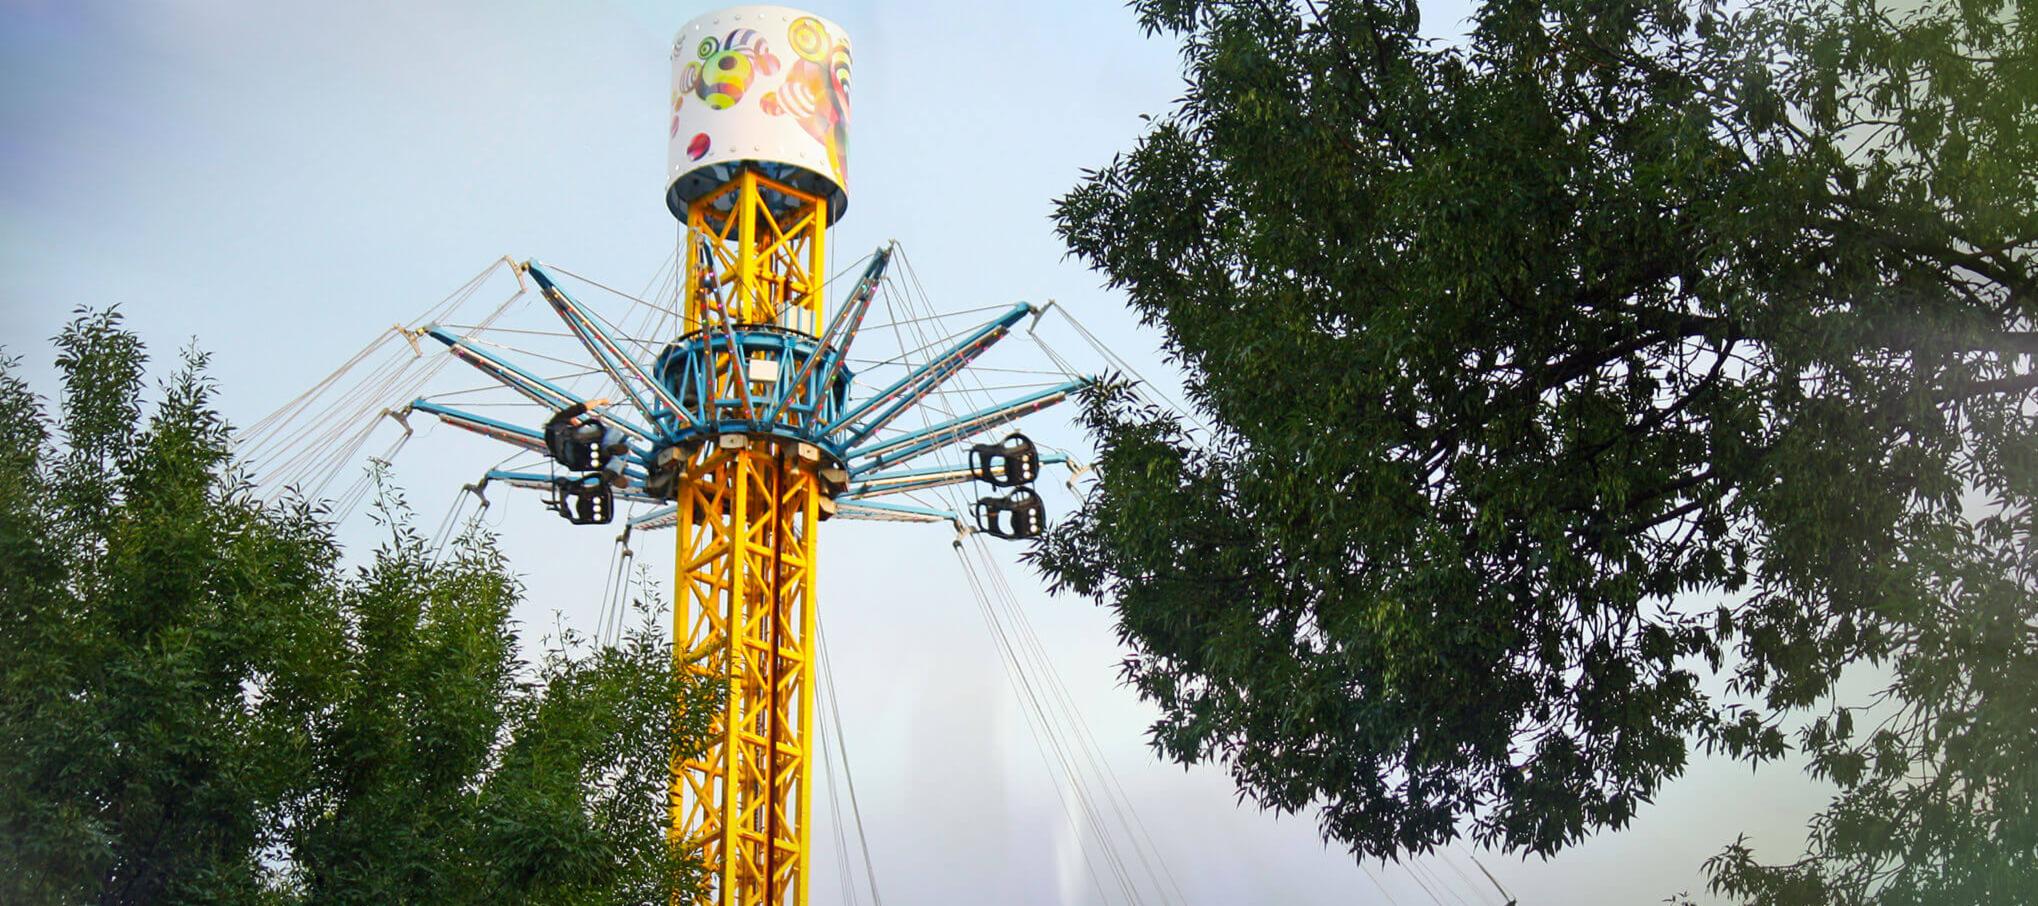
pixel 199 704
pixel 1620 346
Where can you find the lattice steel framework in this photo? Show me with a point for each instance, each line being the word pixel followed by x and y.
pixel 748 510
pixel 743 429
pixel 746 621
pixel 744 425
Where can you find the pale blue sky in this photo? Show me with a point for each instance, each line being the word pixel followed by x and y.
pixel 284 180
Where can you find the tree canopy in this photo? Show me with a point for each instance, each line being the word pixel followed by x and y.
pixel 200 703
pixel 1599 386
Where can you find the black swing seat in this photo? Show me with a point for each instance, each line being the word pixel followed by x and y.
pixel 1008 463
pixel 583 500
pixel 580 441
pixel 1017 515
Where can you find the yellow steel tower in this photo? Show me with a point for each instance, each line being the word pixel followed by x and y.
pixel 748 508
pixel 744 426
pixel 760 117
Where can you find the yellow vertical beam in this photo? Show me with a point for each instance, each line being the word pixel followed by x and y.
pixel 746 246
pixel 817 264
pixel 809 505
pixel 749 508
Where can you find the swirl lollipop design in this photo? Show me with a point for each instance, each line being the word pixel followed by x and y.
pixel 816 89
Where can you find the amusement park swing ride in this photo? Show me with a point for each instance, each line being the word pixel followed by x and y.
pixel 743 413
pixel 731 404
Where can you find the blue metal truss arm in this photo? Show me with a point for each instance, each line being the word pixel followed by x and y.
pixel 528 438
pixel 841 330
pixel 851 508
pixel 915 386
pixel 541 391
pixel 923 479
pixel 663 517
pixel 607 353
pixel 539 481
pixel 907 446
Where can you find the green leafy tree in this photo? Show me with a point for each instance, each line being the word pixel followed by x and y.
pixel 1606 385
pixel 199 703
pixel 140 591
pixel 443 771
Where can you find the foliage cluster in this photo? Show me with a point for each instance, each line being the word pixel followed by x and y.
pixel 200 703
pixel 1606 384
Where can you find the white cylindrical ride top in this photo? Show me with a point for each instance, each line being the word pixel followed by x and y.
pixel 760 85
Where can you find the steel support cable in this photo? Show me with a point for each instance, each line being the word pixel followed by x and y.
pixel 330 427
pixel 654 314
pixel 1075 773
pixel 360 419
pixel 580 366
pixel 660 321
pixel 439 537
pixel 905 358
pixel 849 778
pixel 347 445
pixel 992 569
pixel 1115 359
pixel 512 331
pixel 1425 876
pixel 989 388
pixel 949 314
pixel 973 386
pixel 1384 892
pixel 607 288
pixel 1039 744
pixel 601 620
pixel 1444 855
pixel 289 410
pixel 1121 803
pixel 358 491
pixel 329 466
pixel 1508 897
pixel 824 688
pixel 633 582
pixel 254 437
pixel 994 388
pixel 822 290
pixel 844 882
pixel 1047 729
pixel 913 323
pixel 253 440
pixel 617 603
pixel 1048 734
pixel 317 461
pixel 1071 725
pixel 929 405
pixel 607 384
pixel 926 307
pixel 899 336
pixel 1034 372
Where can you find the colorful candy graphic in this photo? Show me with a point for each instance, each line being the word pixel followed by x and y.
pixel 727 68
pixel 698 148
pixel 816 89
pixel 807 37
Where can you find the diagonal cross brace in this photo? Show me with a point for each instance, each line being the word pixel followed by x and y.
pixel 913 444
pixel 607 353
pixel 923 380
pixel 543 392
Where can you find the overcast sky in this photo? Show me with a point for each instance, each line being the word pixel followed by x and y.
pixel 282 181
